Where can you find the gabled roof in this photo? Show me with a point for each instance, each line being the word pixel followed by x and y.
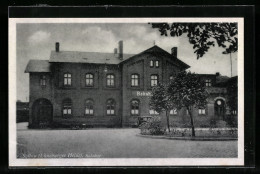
pixel 157 51
pixel 38 66
pixel 107 58
pixel 86 57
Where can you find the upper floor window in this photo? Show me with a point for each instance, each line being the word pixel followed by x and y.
pixel 208 82
pixel 173 112
pixel 134 80
pixel 110 80
pixel 154 80
pixel 89 80
pixel 134 107
pixel 89 107
pixel 67 79
pixel 43 80
pixel 67 107
pixel 202 111
pixel 156 63
pixel 111 107
pixel 153 112
pixel 151 63
pixel 234 112
pixel 171 77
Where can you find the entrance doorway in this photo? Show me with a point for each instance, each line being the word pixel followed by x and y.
pixel 220 108
pixel 42 112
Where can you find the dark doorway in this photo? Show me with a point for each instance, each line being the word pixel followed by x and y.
pixel 42 112
pixel 220 108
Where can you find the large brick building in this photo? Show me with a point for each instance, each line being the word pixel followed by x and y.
pixel 108 89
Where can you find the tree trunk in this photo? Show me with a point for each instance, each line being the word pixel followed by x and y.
pixel 168 120
pixel 191 122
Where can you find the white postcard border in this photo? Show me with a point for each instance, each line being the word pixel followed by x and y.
pixel 14 161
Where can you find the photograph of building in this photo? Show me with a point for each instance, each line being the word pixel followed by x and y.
pixel 90 90
pixel 98 89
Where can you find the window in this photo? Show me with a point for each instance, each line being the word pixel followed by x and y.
pixel 89 107
pixel 67 107
pixel 171 77
pixel 134 107
pixel 208 82
pixel 202 111
pixel 153 112
pixel 111 107
pixel 151 63
pixel 154 80
pixel 173 112
pixel 43 80
pixel 110 80
pixel 134 80
pixel 234 112
pixel 89 80
pixel 156 63
pixel 67 79
pixel 187 112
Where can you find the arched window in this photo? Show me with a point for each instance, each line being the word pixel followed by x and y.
pixel 67 107
pixel 151 63
pixel 89 107
pixel 43 80
pixel 135 80
pixel 134 107
pixel 154 80
pixel 110 80
pixel 111 107
pixel 89 79
pixel 157 64
pixel 67 79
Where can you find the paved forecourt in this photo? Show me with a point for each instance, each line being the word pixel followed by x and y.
pixel 115 143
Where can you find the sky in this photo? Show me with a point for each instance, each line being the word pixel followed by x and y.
pixel 36 41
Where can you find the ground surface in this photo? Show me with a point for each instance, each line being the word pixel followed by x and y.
pixel 114 143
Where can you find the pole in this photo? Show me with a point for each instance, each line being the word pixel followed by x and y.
pixel 231 63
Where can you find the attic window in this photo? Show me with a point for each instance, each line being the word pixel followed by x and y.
pixel 151 63
pixel 208 82
pixel 43 80
pixel 156 63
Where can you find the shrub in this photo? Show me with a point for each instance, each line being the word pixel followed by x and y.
pixel 213 123
pixel 221 124
pixel 231 121
pixel 152 127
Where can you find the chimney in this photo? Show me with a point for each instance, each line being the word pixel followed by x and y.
pixel 115 52
pixel 174 51
pixel 57 46
pixel 217 74
pixel 120 47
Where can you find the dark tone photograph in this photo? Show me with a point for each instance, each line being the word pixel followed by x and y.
pixel 127 90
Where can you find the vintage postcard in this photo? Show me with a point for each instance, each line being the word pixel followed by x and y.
pixel 126 92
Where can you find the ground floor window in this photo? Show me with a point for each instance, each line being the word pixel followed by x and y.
pixel 89 108
pixel 173 112
pixel 134 107
pixel 202 111
pixel 153 112
pixel 67 107
pixel 111 107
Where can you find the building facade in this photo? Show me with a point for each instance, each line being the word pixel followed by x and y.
pixel 109 89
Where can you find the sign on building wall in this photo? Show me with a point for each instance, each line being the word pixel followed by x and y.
pixel 142 93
